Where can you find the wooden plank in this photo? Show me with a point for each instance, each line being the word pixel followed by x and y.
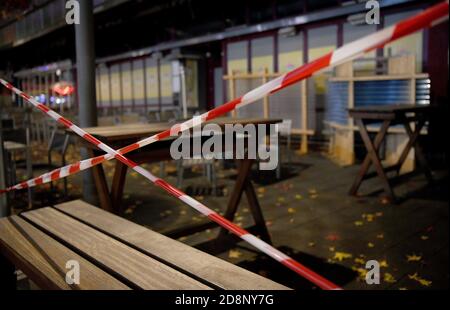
pixel 210 268
pixel 131 266
pixel 43 259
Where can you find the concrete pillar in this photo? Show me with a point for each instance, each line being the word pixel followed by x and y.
pixel 85 49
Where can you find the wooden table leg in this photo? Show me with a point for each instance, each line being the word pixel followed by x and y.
pixel 243 183
pixel 101 185
pixel 255 208
pixel 367 160
pixel 413 136
pixel 372 152
pixel 244 167
pixel 117 187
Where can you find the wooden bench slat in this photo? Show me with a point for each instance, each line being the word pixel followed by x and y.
pixel 125 262
pixel 44 259
pixel 205 266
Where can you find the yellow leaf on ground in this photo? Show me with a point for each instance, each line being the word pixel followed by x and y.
pixel 383 263
pixel 340 256
pixel 361 272
pixel 358 223
pixel 389 278
pixel 422 281
pixel 369 217
pixel 291 210
pixel 234 254
pixel 360 261
pixel 298 197
pixel 413 258
pixel 370 245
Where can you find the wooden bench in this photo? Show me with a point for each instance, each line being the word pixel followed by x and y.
pixel 112 252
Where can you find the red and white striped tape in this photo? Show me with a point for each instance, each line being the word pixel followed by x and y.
pixel 214 216
pixel 429 17
pixel 343 54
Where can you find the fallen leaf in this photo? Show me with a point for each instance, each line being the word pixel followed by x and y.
pixel 340 256
pixel 360 261
pixel 380 236
pixel 234 254
pixel 332 237
pixel 413 258
pixel 298 197
pixel 424 237
pixel 128 211
pixel 384 200
pixel 291 210
pixel 358 223
pixel 331 248
pixel 311 244
pixel 370 245
pixel 422 281
pixel 389 278
pixel 384 263
pixel 362 272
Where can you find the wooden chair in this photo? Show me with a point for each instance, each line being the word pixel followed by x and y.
pixel 58 143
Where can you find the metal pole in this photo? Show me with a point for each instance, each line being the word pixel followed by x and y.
pixel 87 113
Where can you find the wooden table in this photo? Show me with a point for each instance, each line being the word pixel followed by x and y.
pixel 121 135
pixel 389 115
pixel 112 253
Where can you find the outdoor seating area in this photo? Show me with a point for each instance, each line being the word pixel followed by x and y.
pixel 267 157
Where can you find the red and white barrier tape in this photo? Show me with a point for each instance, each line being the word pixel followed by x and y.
pixel 341 55
pixel 214 216
pixel 345 53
